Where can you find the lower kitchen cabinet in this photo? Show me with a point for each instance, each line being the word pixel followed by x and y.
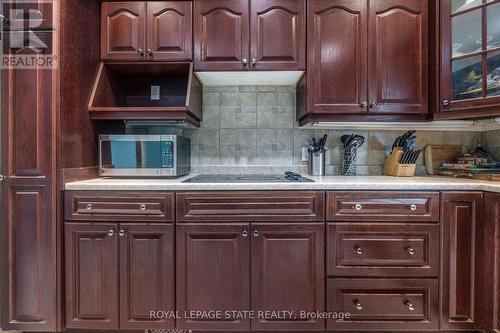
pixel 91 276
pixel 288 275
pixel 462 260
pixel 491 246
pixel 243 267
pixel 213 274
pixel 384 304
pixel 117 273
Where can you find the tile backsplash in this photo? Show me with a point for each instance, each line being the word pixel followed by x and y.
pixel 252 129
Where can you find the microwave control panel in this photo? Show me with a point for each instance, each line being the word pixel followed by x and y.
pixel 167 154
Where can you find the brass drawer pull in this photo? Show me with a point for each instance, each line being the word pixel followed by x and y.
pixel 142 207
pixel 89 206
pixel 359 306
pixel 358 207
pixel 244 233
pixel 111 233
pixel 358 249
pixel 413 207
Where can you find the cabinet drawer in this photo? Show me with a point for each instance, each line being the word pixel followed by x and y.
pixel 119 206
pixel 382 206
pixel 383 249
pixel 265 206
pixel 385 304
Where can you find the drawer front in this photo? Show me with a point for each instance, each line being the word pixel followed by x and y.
pixel 383 249
pixel 382 206
pixel 119 206
pixel 402 304
pixel 268 206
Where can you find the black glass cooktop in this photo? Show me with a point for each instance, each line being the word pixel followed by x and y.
pixel 247 178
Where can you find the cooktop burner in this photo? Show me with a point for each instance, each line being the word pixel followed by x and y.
pixel 247 178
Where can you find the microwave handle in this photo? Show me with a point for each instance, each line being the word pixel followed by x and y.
pixel 100 155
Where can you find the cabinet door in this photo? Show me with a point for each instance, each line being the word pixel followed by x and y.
pixel 461 228
pixel 221 34
pixel 470 59
pixel 123 31
pixel 146 275
pixel 213 274
pixel 278 34
pixel 91 272
pixel 169 32
pixel 491 250
pixel 288 275
pixel 337 59
pixel 28 227
pixel 398 62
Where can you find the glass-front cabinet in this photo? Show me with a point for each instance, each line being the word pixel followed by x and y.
pixel 470 58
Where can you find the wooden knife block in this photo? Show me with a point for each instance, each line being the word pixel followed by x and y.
pixel 393 168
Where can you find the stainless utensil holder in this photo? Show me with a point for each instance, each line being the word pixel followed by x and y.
pixel 349 163
pixel 316 166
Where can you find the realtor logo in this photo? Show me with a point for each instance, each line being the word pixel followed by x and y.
pixel 27 34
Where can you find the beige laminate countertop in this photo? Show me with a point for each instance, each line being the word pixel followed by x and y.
pixel 321 183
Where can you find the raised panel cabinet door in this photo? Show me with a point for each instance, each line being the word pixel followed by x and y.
pixel 169 31
pixel 91 275
pixel 28 228
pixel 491 250
pixel 278 34
pixel 213 274
pixel 398 62
pixel 146 275
pixel 221 34
pixel 123 31
pixel 462 214
pixel 288 275
pixel 337 56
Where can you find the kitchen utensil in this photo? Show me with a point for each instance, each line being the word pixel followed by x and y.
pixel 351 144
pixel 436 155
pixel 316 165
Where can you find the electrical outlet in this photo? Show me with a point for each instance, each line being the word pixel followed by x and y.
pixel 155 93
pixel 305 154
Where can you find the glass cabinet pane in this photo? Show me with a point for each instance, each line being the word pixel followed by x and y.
pixel 466 33
pixel 459 5
pixel 493 75
pixel 493 23
pixel 467 78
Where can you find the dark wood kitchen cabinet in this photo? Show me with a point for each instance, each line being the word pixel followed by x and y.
pixel 469 59
pixel 153 31
pixel 91 272
pixel 462 260
pixel 288 274
pixel 249 34
pixel 29 227
pixel 491 267
pixel 123 30
pixel 213 274
pixel 357 68
pixel 398 62
pixel 117 273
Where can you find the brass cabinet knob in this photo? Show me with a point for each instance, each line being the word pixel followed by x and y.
pixel 150 52
pixel 254 61
pixel 358 206
pixel 142 207
pixel 244 61
pixel 411 251
pixel 111 233
pixel 413 207
pixel 358 249
pixel 359 306
pixel 244 233
pixel 121 233
pixel 364 104
pixel 410 306
pixel 446 102
pixel 89 206
pixel 256 233
pixel 140 51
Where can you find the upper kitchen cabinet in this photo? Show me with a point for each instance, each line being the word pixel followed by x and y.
pixel 358 68
pixel 221 34
pixel 169 31
pixel 243 35
pixel 154 31
pixel 123 31
pixel 277 34
pixel 398 62
pixel 470 59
